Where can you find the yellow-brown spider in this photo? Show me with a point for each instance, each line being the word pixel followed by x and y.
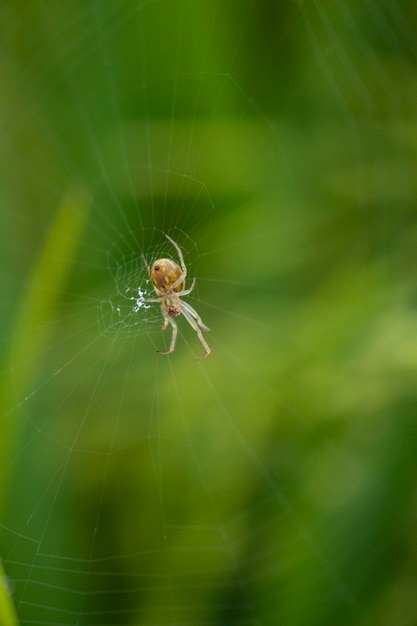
pixel 168 280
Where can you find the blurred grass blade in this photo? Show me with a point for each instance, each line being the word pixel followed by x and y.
pixel 32 327
pixel 7 611
pixel 36 312
pixel 45 288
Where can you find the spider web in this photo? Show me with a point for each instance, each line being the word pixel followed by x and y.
pixel 271 483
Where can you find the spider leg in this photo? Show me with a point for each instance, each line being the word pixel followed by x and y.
pixel 178 249
pixel 185 292
pixel 146 264
pixel 169 320
pixel 179 281
pixel 185 307
pixel 194 320
pixel 183 276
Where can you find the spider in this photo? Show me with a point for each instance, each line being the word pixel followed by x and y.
pixel 168 280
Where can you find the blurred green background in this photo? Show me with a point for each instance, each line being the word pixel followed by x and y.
pixel 273 483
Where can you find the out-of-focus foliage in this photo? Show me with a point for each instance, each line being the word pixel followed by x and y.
pixel 275 482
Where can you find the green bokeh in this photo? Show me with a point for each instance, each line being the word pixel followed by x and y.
pixel 274 482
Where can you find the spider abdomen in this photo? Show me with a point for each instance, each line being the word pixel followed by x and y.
pixel 164 273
